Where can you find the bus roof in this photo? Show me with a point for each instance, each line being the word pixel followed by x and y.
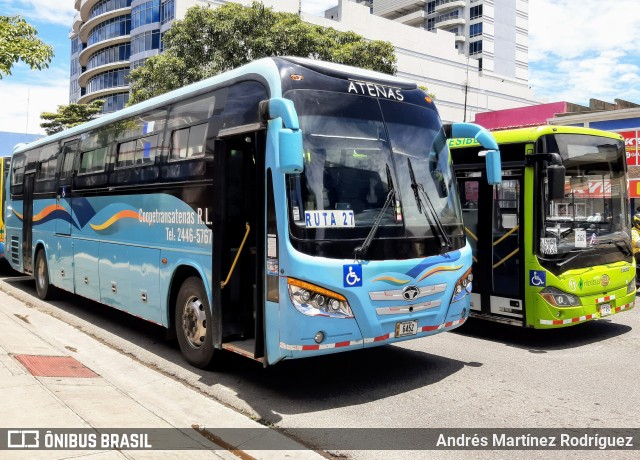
pixel 510 136
pixel 267 68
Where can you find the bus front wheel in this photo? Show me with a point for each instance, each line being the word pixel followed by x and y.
pixel 41 274
pixel 193 323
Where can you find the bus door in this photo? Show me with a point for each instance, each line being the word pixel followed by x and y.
pixel 27 221
pixel 240 188
pixel 61 271
pixel 496 248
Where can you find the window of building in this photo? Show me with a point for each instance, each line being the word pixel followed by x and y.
pixel 146 13
pixel 111 28
pixel 167 11
pixel 145 42
pixel 105 6
pixel 431 7
pixel 475 47
pixel 109 79
pixel 117 53
pixel 431 24
pixel 475 12
pixel 475 29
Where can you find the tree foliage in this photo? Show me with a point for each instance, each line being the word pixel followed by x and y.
pixel 69 116
pixel 19 42
pixel 210 41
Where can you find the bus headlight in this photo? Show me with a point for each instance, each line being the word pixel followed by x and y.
pixel 463 287
pixel 631 287
pixel 313 300
pixel 559 298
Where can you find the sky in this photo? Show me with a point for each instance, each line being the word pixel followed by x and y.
pixel 578 49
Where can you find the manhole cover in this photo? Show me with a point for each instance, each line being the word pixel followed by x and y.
pixel 54 366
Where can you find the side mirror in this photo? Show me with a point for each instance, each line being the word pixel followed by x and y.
pixel 290 151
pixel 494 167
pixel 555 181
pixel 486 140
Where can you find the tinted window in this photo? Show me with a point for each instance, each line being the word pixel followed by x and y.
pixel 93 161
pixel 137 152
pixel 188 142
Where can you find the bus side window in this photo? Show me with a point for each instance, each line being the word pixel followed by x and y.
pixel 188 142
pixel 91 171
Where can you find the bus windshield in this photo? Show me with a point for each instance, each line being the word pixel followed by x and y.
pixel 594 211
pixel 357 149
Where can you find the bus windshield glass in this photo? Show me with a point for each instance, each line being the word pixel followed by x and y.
pixel 594 211
pixel 356 150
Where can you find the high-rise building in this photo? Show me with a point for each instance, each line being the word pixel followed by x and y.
pixel 494 33
pixel 111 37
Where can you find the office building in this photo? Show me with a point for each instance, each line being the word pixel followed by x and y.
pixel 494 33
pixel 111 37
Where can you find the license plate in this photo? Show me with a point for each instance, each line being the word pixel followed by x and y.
pixel 605 309
pixel 406 328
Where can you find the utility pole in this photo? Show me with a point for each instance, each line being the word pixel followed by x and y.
pixel 300 8
pixel 466 90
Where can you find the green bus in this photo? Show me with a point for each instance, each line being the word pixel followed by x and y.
pixel 551 244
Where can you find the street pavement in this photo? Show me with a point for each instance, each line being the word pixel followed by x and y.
pixel 112 390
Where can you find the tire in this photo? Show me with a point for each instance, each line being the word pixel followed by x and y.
pixel 193 324
pixel 41 274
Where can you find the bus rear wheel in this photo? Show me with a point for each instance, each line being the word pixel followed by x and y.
pixel 41 275
pixel 193 323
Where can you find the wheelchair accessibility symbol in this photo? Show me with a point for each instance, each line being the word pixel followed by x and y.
pixel 352 275
pixel 537 278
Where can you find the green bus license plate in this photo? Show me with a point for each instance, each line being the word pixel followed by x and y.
pixel 406 328
pixel 605 309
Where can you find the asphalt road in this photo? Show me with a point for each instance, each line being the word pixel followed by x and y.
pixel 482 375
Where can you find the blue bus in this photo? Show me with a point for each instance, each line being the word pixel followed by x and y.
pixel 285 209
pixel 4 171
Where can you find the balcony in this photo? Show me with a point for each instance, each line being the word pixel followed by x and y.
pixel 443 6
pixel 415 19
pixel 391 9
pixel 449 20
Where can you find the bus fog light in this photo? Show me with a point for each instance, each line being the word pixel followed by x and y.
pixel 319 337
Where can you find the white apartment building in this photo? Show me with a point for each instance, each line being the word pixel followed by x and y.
pixel 110 37
pixel 494 33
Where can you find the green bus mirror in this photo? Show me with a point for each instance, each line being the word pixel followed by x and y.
pixel 555 180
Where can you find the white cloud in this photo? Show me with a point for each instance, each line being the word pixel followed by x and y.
pixel 45 11
pixel 23 101
pixel 581 49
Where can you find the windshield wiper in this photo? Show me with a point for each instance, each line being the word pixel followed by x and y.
pixel 360 251
pixel 624 248
pixel 581 252
pixel 434 220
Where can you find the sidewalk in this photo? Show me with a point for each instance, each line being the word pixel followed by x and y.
pixel 112 391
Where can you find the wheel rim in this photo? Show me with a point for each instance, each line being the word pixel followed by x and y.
pixel 40 270
pixel 194 322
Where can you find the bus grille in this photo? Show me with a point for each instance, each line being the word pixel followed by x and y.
pixel 15 250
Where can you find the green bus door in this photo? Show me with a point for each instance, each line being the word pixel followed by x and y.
pixel 492 218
